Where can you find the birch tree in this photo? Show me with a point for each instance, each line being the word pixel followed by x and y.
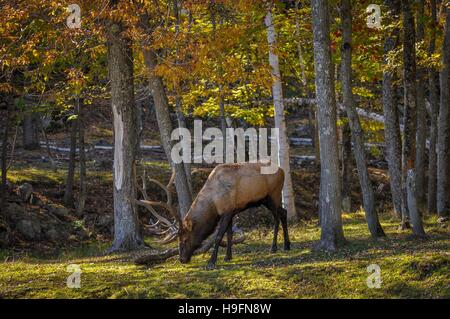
pixel 280 122
pixel 332 234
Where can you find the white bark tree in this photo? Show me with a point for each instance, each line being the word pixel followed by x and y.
pixel 280 122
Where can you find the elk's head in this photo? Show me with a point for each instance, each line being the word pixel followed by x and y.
pixel 189 240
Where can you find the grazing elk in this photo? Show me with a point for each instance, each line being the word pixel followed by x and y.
pixel 229 189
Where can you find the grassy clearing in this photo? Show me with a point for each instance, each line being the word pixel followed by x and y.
pixel 409 269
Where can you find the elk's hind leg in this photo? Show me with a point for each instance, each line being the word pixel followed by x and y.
pixel 273 208
pixel 282 213
pixel 225 220
pixel 229 255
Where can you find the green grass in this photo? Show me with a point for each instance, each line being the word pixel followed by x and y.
pixel 410 268
pixel 44 175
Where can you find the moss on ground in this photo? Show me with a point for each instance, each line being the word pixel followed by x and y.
pixel 410 268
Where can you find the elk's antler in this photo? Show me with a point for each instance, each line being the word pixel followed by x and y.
pixel 166 227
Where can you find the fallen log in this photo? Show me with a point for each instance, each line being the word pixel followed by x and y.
pixel 155 258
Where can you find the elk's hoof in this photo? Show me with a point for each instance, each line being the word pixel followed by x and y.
pixel 287 246
pixel 273 249
pixel 227 258
pixel 210 266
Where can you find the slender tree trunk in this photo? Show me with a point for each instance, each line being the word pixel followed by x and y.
pixel 421 115
pixel 223 123
pixel 82 152
pixel 434 105
pixel 68 193
pixel 280 123
pixel 316 141
pixel 410 116
pixel 346 151
pixel 182 124
pixel 392 127
pixel 299 47
pixel 443 144
pixel 416 219
pixel 178 102
pixel 4 157
pixel 139 129
pixel 165 128
pixel 127 235
pixel 332 234
pixel 31 131
pixel 355 126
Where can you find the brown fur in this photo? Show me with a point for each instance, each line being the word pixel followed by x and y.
pixel 229 189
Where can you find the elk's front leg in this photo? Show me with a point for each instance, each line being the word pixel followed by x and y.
pixel 229 241
pixel 276 218
pixel 223 225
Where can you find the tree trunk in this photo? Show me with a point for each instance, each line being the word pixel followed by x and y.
pixel 332 234
pixel 434 110
pixel 31 131
pixel 68 193
pixel 443 144
pixel 4 157
pixel 316 141
pixel 354 123
pixel 178 102
pixel 411 190
pixel 346 151
pixel 421 116
pixel 223 123
pixel 127 235
pixel 82 152
pixel 410 104
pixel 392 127
pixel 182 124
pixel 165 128
pixel 280 123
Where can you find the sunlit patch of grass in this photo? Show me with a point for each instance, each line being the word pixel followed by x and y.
pixel 156 165
pixel 43 174
pixel 409 268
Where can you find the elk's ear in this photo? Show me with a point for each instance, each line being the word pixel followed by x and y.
pixel 187 224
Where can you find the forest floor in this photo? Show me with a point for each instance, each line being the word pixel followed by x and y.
pixel 38 268
pixel 410 268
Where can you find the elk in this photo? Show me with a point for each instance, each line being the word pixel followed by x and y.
pixel 229 190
